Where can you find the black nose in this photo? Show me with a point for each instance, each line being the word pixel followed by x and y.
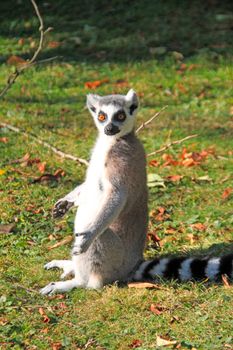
pixel 111 129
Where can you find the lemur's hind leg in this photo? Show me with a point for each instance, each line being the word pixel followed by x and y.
pixel 60 287
pixel 66 265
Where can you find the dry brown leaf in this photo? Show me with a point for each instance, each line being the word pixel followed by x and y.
pixel 7 228
pixel 41 167
pixel 164 342
pixel 157 309
pixel 154 163
pixel 3 321
pixel 4 139
pixel 135 344
pixel 54 44
pixel 64 241
pixel 44 331
pixel 16 61
pixel 141 285
pixel 46 319
pixel 56 346
pixel 227 192
pixel 174 178
pixel 95 84
pixel 199 226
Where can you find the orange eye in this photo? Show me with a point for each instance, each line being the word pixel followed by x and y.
pixel 101 117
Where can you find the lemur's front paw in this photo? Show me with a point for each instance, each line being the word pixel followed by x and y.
pixel 82 243
pixel 61 207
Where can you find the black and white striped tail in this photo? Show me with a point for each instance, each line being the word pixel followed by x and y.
pixel 186 268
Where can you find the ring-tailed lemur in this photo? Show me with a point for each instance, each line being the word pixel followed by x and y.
pixel 111 221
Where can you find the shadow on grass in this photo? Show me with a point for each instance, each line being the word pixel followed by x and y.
pixel 119 31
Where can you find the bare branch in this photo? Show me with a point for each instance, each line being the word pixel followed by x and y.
pixel 18 70
pixel 143 125
pixel 45 144
pixel 170 144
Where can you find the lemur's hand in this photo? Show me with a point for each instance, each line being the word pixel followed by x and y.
pixel 82 242
pixel 61 207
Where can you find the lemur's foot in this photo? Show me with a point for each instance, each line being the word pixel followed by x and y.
pixel 82 243
pixel 66 265
pixel 61 207
pixel 59 287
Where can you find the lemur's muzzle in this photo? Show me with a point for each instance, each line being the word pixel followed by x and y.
pixel 111 129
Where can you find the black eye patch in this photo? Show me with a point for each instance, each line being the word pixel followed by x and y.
pixel 119 116
pixel 132 108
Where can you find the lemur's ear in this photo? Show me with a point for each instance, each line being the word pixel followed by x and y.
pixel 92 102
pixel 132 101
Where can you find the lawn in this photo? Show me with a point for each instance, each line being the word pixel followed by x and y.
pixel 179 56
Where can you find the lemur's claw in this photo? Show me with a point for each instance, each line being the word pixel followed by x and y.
pixel 60 208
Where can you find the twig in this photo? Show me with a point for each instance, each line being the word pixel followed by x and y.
pixel 143 125
pixel 45 144
pixel 18 70
pixel 177 142
pixel 28 290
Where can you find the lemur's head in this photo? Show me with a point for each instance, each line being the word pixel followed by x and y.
pixel 114 115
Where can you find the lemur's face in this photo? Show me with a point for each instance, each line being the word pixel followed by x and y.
pixel 114 115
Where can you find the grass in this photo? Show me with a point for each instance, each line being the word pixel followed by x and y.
pixel 118 41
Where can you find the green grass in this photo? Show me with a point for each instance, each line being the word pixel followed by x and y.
pixel 116 40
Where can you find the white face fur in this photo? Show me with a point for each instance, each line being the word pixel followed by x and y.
pixel 114 115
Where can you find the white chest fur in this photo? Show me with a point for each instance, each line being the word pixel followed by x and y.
pixel 96 170
pixel 95 184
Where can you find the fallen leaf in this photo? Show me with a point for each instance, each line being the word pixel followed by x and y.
pixel 225 281
pixel 164 342
pixel 95 84
pixel 135 344
pixel 204 178
pixel 7 228
pixel 44 331
pixel 160 214
pixel 189 162
pixel 54 44
pixel 154 163
pixel 16 60
pixel 41 167
pixel 46 319
pixel 56 296
pixel 3 321
pixel 182 88
pixel 157 309
pixel 154 180
pixel 56 346
pixel 64 241
pixel 4 139
pixel 192 238
pixel 59 173
pixel 141 285
pixel 198 226
pixel 170 231
pixel 174 178
pixel 227 192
